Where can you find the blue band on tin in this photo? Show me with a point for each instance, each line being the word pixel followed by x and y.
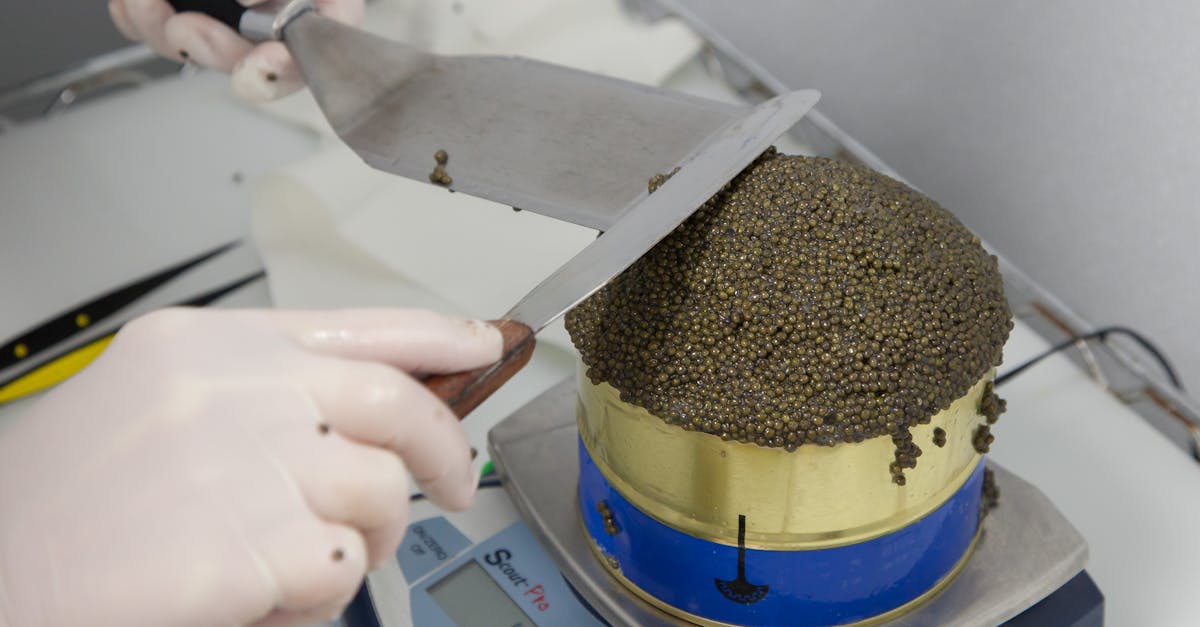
pixel 817 587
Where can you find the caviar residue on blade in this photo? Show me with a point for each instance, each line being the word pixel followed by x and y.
pixel 809 301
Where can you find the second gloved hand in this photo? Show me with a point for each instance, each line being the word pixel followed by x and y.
pixel 260 72
pixel 230 467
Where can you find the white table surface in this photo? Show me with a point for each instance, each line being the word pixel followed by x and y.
pixel 1135 497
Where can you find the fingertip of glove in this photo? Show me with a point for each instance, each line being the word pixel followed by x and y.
pixel 455 491
pixel 116 10
pixel 256 81
pixel 202 40
pixel 485 334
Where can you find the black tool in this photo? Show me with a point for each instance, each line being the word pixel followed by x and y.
pixel 83 315
pixel 66 363
pixel 739 590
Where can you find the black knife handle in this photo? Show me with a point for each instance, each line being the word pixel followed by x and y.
pixel 227 12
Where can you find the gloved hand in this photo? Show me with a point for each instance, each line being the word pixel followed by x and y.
pixel 260 72
pixel 230 467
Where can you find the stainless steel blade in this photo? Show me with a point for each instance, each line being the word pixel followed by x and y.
pixel 701 176
pixel 568 144
pixel 564 143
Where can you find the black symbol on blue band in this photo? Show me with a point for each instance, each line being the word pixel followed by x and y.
pixel 740 590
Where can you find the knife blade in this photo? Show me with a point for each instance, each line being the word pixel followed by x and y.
pixel 717 161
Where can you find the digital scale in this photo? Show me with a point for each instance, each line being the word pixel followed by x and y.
pixel 528 563
pixel 457 569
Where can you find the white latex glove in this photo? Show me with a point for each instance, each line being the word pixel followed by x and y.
pixel 260 72
pixel 229 467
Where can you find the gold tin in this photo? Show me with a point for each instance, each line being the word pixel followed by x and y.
pixel 815 497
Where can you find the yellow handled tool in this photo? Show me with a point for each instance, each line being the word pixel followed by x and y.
pixel 55 371
pixel 63 366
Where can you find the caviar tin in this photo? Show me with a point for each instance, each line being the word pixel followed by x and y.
pixel 728 533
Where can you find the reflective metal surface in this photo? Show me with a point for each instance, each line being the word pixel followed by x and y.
pixel 696 578
pixel 569 144
pixel 814 497
pixel 267 21
pixel 650 217
pixel 882 619
pixel 1027 551
pixel 572 145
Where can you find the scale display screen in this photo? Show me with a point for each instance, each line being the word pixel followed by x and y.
pixel 471 598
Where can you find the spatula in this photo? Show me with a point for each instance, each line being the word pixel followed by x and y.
pixel 567 144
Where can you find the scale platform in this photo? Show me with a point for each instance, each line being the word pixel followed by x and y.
pixel 1027 569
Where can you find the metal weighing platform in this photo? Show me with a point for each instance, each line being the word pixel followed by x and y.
pixel 535 567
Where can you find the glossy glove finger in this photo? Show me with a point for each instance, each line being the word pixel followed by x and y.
pixel 413 340
pixel 356 485
pixel 149 17
pixel 381 406
pixel 205 41
pixel 266 73
pixel 312 564
pixel 389 536
pixel 116 10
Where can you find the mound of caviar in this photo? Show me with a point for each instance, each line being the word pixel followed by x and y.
pixel 809 301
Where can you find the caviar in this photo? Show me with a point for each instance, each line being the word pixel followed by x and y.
pixel 439 176
pixel 990 405
pixel 982 439
pixel 811 301
pixel 991 493
pixel 657 180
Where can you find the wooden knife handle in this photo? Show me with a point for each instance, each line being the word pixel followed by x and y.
pixel 464 391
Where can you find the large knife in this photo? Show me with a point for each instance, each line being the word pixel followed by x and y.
pixel 720 158
pixel 568 144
